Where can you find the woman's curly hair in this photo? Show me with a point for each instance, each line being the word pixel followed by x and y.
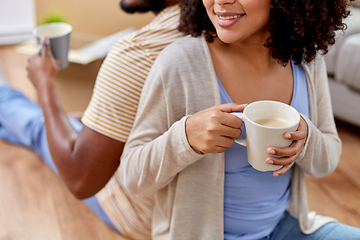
pixel 299 28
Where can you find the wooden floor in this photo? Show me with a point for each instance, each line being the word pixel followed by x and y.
pixel 338 194
pixel 35 204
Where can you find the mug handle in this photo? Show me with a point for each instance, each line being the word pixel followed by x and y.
pixel 239 140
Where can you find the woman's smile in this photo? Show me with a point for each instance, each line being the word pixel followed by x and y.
pixel 228 19
pixel 239 20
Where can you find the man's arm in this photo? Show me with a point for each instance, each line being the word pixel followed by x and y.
pixel 85 160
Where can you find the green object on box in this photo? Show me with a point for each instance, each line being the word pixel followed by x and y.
pixel 53 17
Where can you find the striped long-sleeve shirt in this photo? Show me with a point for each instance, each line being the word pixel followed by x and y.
pixel 112 110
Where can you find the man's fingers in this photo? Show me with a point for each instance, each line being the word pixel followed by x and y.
pixel 57 63
pixel 44 46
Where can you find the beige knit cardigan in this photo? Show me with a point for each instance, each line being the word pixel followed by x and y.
pixel 189 187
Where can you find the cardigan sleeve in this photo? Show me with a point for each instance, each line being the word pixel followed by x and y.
pixel 322 151
pixel 157 148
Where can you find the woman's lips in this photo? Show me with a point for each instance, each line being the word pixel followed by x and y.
pixel 226 20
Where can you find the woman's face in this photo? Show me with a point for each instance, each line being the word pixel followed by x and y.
pixel 239 20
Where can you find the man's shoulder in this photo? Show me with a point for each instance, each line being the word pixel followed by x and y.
pixel 149 39
pixel 164 24
pixel 154 36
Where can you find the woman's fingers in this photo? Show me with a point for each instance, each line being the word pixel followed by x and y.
pixel 300 134
pixel 292 152
pixel 281 161
pixel 294 148
pixel 282 170
pixel 212 129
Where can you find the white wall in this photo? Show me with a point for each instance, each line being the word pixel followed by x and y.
pixel 17 19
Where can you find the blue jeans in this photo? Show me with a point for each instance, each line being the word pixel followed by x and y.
pixel 22 122
pixel 288 229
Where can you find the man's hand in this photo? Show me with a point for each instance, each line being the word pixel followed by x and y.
pixel 86 160
pixel 212 130
pixel 42 68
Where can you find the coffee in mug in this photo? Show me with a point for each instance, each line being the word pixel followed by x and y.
pixel 265 125
pixel 271 122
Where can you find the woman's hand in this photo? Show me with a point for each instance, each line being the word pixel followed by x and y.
pixel 43 68
pixel 291 153
pixel 211 130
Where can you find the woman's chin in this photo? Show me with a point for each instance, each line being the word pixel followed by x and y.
pixel 227 39
pixel 228 36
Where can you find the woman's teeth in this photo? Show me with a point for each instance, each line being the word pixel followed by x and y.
pixel 230 17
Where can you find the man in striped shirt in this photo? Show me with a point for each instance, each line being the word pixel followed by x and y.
pixel 86 156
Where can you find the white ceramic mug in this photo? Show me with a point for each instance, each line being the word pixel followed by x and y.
pixel 59 36
pixel 265 125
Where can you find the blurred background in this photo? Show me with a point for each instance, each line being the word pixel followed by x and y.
pixel 93 17
pixel 96 26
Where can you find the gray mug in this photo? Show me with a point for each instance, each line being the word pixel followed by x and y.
pixel 59 36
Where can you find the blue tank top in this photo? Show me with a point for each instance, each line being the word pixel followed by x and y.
pixel 255 201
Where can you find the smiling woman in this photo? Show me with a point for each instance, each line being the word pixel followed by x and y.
pixel 181 146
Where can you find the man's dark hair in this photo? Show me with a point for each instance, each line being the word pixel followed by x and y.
pixel 146 6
